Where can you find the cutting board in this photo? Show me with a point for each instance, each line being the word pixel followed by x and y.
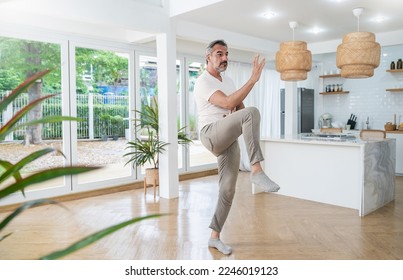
pixel 331 130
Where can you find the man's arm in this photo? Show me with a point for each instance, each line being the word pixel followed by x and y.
pixel 235 100
pixel 240 106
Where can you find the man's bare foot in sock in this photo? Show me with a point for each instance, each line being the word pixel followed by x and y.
pixel 219 245
pixel 261 179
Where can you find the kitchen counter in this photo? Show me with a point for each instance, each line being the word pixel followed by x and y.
pixel 346 172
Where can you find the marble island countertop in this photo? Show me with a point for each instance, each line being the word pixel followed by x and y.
pixel 346 139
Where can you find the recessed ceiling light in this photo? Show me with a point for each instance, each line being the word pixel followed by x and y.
pixel 269 14
pixel 379 19
pixel 316 30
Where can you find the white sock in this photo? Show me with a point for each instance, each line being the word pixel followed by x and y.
pixel 264 181
pixel 217 243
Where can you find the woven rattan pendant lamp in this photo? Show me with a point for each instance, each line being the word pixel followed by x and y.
pixel 293 60
pixel 359 54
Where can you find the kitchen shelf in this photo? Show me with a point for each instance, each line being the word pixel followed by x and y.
pixel 334 92
pixel 330 76
pixel 395 70
pixel 394 89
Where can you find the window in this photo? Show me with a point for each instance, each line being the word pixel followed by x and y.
pixel 20 59
pixel 102 102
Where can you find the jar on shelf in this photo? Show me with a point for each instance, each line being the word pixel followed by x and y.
pixel 392 65
pixel 399 64
pixel 336 87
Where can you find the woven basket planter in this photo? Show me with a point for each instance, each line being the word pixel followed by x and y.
pixel 151 178
pixel 293 61
pixel 358 55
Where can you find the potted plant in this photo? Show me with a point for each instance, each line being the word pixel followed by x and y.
pixel 147 145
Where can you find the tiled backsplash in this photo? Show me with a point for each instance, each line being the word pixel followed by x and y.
pixel 367 97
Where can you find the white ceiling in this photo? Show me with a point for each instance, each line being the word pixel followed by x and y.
pixel 334 17
pixel 139 20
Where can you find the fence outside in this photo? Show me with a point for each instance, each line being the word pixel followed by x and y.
pixel 102 116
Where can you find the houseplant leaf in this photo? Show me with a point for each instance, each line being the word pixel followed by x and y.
pixel 47 119
pixel 21 88
pixel 13 169
pixel 44 176
pixel 23 207
pixel 6 166
pixel 95 237
pixel 8 127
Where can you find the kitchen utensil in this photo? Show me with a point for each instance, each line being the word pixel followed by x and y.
pixel 326 120
pixel 353 122
pixel 349 120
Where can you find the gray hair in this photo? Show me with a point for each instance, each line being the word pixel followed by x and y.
pixel 210 46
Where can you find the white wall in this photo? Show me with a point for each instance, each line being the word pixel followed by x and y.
pixel 367 97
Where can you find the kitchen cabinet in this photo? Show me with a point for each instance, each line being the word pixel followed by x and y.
pixel 399 150
pixel 395 89
pixel 324 86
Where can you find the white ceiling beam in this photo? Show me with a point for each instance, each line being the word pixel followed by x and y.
pixel 177 7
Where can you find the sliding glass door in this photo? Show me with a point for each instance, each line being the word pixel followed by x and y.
pixel 102 102
pixel 20 59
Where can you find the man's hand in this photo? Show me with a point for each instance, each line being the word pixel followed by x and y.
pixel 257 68
pixel 235 100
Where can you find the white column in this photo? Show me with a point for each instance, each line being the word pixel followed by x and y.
pixel 166 60
pixel 291 107
pixel 90 115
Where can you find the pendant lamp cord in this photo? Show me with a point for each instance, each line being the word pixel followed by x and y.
pixel 358 23
pixel 293 25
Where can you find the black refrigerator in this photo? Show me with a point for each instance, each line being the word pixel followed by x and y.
pixel 305 110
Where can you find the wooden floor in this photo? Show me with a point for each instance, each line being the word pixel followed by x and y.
pixel 262 226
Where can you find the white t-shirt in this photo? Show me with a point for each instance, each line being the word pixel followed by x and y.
pixel 205 86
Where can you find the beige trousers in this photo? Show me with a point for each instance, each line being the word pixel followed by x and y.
pixel 221 138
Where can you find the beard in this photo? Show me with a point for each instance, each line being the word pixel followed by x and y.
pixel 222 67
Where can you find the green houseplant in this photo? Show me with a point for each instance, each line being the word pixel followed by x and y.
pixel 147 145
pixel 12 180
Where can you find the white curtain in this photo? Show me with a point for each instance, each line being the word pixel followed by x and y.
pixel 265 96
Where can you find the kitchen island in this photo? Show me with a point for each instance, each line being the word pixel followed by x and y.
pixel 398 135
pixel 346 172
